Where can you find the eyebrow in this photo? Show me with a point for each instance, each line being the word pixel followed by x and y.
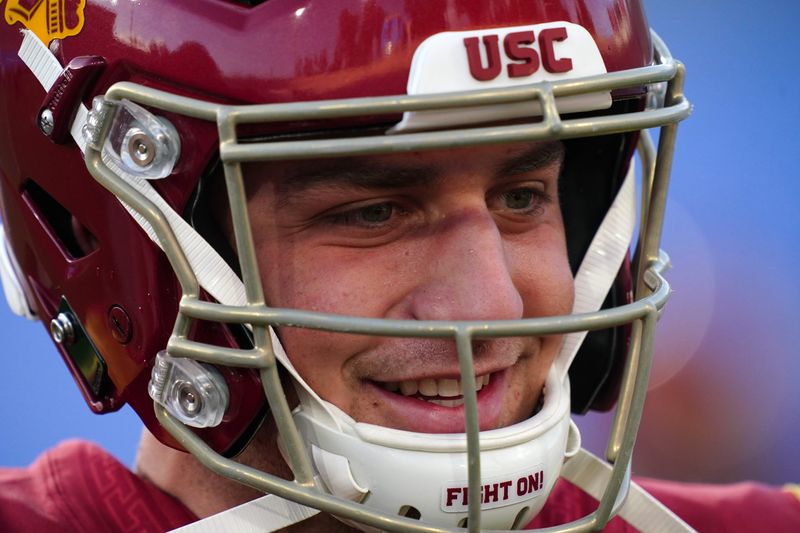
pixel 537 157
pixel 362 172
pixel 359 172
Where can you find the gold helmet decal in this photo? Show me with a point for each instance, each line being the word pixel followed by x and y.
pixel 48 19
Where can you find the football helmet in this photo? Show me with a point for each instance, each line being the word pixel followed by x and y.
pixel 118 118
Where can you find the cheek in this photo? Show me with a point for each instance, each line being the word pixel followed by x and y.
pixel 290 283
pixel 325 280
pixel 543 276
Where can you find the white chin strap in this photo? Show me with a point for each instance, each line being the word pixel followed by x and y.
pixel 585 470
pixel 270 513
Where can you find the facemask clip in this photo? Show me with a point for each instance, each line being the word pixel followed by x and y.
pixel 193 392
pixel 137 141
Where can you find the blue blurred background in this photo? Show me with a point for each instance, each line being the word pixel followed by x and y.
pixel 724 403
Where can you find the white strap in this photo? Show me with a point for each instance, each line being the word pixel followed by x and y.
pixel 262 515
pixel 601 264
pixel 212 272
pixel 641 510
pixel 40 59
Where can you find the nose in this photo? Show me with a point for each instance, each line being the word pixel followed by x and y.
pixel 468 274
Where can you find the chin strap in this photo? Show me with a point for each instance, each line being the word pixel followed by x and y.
pixel 584 470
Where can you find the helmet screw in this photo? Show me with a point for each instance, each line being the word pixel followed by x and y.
pixel 142 149
pixel 189 400
pixel 120 324
pixel 62 329
pixel 55 46
pixel 46 122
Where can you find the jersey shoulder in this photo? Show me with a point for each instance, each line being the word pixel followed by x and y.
pixel 746 506
pixel 742 507
pixel 77 486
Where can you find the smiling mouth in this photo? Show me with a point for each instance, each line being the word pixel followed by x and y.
pixel 442 392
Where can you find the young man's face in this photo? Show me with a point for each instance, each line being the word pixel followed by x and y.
pixel 461 234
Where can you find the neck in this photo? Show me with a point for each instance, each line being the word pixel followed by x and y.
pixel 205 493
pixel 183 477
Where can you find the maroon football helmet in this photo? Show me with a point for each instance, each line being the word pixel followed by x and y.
pixel 121 119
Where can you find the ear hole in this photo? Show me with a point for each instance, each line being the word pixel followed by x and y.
pixel 75 239
pixel 410 512
pixel 464 522
pixel 520 519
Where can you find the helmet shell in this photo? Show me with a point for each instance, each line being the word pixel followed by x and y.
pixel 73 240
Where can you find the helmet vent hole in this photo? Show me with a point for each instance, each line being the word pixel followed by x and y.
pixel 410 512
pixel 249 3
pixel 75 239
pixel 521 518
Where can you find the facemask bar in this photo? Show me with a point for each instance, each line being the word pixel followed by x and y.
pixel 651 292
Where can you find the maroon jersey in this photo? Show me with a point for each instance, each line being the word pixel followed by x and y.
pixel 742 507
pixel 78 487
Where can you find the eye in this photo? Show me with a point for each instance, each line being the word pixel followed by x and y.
pixel 529 198
pixel 518 198
pixel 368 216
pixel 375 214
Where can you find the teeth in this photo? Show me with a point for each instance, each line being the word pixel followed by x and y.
pixel 409 387
pixel 448 403
pixel 428 387
pixel 448 388
pixel 437 388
